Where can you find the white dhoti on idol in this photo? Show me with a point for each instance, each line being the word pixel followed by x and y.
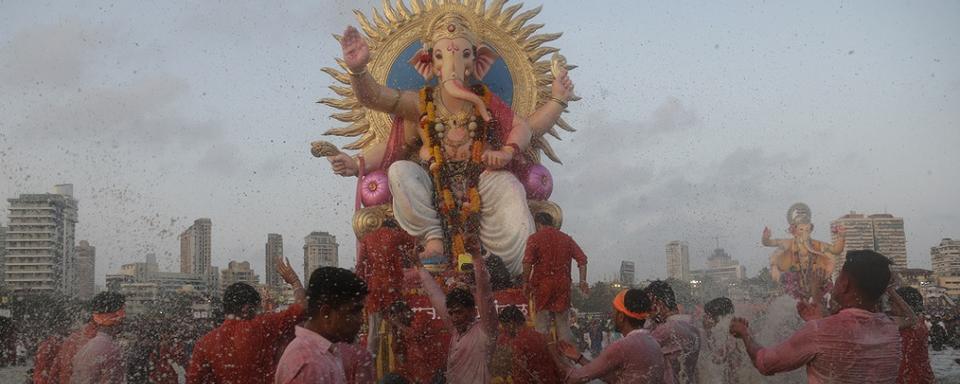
pixel 505 221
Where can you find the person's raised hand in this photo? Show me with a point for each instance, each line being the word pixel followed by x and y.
pixel 356 53
pixel 286 272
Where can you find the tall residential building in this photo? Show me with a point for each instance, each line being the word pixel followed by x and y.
pixel 86 270
pixel 882 232
pixel 274 251
pixel 195 248
pixel 3 252
pixel 238 272
pixel 40 243
pixel 945 258
pixel 187 241
pixel 319 250
pixel 678 260
pixel 627 272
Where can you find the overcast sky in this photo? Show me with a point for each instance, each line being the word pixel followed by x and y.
pixel 699 120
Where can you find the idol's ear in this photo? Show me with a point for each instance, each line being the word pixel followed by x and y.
pixel 423 63
pixel 485 59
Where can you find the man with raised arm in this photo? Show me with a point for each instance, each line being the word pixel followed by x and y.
pixel 635 358
pixel 244 348
pixel 472 341
pixel 855 344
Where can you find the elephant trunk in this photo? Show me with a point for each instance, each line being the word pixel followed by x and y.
pixel 453 87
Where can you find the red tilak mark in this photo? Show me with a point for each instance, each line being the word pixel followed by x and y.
pixel 452 48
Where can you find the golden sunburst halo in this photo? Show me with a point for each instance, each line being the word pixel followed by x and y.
pixel 503 27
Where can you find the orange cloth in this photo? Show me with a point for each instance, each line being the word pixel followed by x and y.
pixel 380 265
pixel 46 356
pixel 243 351
pixel 551 252
pixel 531 359
pixel 109 319
pixel 62 368
pixel 620 306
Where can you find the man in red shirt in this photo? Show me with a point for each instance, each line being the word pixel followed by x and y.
pixel 546 275
pixel 532 362
pixel 244 348
pixel 380 265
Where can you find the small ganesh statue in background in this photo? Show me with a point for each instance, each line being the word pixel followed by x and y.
pixel 802 265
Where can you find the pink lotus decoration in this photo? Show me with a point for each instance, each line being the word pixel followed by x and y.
pixel 374 189
pixel 538 183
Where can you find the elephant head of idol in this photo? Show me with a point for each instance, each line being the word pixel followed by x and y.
pixel 452 53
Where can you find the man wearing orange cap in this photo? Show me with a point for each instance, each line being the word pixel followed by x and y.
pixel 100 360
pixel 636 358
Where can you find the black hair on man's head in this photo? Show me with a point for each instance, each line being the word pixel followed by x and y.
pixel 719 307
pixel 869 272
pixel 500 278
pixel 334 287
pixel 637 301
pixel 460 297
pixel 543 218
pixel 512 315
pixel 398 307
pixel 107 302
pixel 913 298
pixel 237 295
pixel 389 223
pixel 661 290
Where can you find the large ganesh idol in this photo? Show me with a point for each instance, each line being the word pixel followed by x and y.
pixel 450 143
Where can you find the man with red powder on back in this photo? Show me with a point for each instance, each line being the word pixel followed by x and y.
pixel 244 348
pixel 380 265
pixel 531 356
pixel 546 275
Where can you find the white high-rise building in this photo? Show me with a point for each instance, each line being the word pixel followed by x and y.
pixel 945 258
pixel 40 243
pixel 319 250
pixel 195 248
pixel 274 251
pixel 86 270
pixel 882 233
pixel 678 260
pixel 627 272
pixel 3 252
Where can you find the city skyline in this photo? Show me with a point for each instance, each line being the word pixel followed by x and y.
pixel 680 247
pixel 697 120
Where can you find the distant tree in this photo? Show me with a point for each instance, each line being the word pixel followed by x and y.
pixel 683 292
pixel 601 295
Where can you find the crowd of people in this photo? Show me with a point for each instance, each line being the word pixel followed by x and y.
pixel 425 328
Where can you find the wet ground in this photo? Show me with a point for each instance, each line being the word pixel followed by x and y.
pixel 944 367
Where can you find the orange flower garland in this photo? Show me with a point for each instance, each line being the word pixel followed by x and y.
pixel 457 223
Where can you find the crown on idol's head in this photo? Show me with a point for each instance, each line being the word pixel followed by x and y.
pixel 449 25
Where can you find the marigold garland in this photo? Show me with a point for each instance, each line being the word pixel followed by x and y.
pixel 457 224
